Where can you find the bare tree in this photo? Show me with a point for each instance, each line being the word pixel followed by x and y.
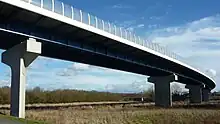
pixel 149 93
pixel 176 89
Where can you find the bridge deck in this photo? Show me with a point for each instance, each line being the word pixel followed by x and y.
pixel 74 43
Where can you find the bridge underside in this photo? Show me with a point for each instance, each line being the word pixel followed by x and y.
pixel 53 50
pixel 66 42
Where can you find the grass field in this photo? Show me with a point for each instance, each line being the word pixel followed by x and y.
pixel 127 115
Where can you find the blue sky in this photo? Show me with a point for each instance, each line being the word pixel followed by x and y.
pixel 190 28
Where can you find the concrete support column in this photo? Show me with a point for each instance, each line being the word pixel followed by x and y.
pixel 163 96
pixel 205 94
pixel 19 58
pixel 195 93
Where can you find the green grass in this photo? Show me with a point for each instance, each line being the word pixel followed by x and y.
pixel 21 120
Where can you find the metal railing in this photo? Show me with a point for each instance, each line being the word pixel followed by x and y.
pixel 69 11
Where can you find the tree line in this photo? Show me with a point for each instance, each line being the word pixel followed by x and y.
pixel 38 95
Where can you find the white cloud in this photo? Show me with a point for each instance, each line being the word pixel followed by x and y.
pixel 155 17
pixel 197 41
pixel 95 79
pixel 212 72
pixel 134 27
pixel 62 74
pixel 5 83
pixel 138 85
pixel 122 6
pixel 40 62
pixel 175 86
pixel 130 25
pixel 80 66
pixel 130 29
pixel 140 26
pixel 191 38
pixel 152 26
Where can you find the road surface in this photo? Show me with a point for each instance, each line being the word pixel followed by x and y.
pixel 7 121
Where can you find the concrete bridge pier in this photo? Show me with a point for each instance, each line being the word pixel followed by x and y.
pixel 205 94
pixel 195 93
pixel 163 96
pixel 19 58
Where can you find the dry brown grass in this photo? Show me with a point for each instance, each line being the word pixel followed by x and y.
pixel 129 115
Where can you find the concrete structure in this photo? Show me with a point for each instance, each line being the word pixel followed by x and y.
pixel 163 96
pixel 19 58
pixel 205 94
pixel 69 34
pixel 195 93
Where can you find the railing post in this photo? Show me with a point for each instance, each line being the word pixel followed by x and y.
pixel 63 8
pixel 115 30
pixel 81 18
pixel 139 39
pixel 103 25
pixel 42 3
pixel 126 35
pixel 109 28
pixel 89 19
pixel 96 22
pixel 53 5
pixel 135 39
pixel 72 12
pixel 130 36
pixel 158 50
pixel 152 46
pixel 120 32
